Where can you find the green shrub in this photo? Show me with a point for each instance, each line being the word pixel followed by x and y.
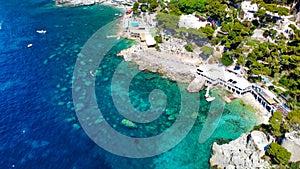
pixel 135 7
pixel 275 123
pixel 158 39
pixel 293 118
pixel 226 59
pixel 189 47
pixel 169 21
pixel 207 50
pixel 157 47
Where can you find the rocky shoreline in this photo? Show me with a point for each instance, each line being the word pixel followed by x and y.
pixel 246 152
pixel 241 153
pixel 175 67
pixel 73 3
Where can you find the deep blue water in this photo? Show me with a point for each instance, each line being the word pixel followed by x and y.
pixel 38 124
pixel 33 128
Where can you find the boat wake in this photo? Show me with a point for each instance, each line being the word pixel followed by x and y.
pixel 1 24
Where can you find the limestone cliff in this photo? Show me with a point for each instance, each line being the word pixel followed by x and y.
pixel 243 153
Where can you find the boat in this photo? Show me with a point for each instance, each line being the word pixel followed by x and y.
pixel 92 74
pixel 29 45
pixel 209 99
pixel 41 31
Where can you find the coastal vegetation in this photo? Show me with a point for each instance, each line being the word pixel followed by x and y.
pixel 226 59
pixel 158 39
pixel 189 47
pixel 278 58
pixel 276 123
pixel 277 127
pixel 167 21
pixel 207 50
pixel 191 6
pixel 278 154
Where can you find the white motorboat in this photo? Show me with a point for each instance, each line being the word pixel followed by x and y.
pixel 1 24
pixel 92 74
pixel 209 99
pixel 41 31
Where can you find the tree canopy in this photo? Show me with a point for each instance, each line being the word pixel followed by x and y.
pixel 226 59
pixel 217 8
pixel 279 154
pixel 293 118
pixel 191 6
pixel 275 123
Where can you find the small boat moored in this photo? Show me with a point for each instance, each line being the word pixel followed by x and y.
pixel 209 99
pixel 41 31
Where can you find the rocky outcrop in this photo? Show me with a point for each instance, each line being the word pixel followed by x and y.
pixel 242 153
pixel 77 2
pixel 292 143
pixel 172 66
pixel 196 85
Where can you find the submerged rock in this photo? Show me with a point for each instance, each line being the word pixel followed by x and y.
pixel 128 123
pixel 243 153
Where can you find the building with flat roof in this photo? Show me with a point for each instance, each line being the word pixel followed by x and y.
pixel 247 6
pixel 249 9
pixel 232 81
pixel 216 74
pixel 265 97
pixel 150 41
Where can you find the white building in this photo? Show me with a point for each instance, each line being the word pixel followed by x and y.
pixel 218 75
pixel 150 41
pixel 190 21
pixel 249 10
pixel 232 81
pixel 248 7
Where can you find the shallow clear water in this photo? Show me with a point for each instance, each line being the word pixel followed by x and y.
pixel 38 124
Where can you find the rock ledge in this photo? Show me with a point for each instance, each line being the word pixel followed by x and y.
pixel 243 153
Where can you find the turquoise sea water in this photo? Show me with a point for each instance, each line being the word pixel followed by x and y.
pixel 38 124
